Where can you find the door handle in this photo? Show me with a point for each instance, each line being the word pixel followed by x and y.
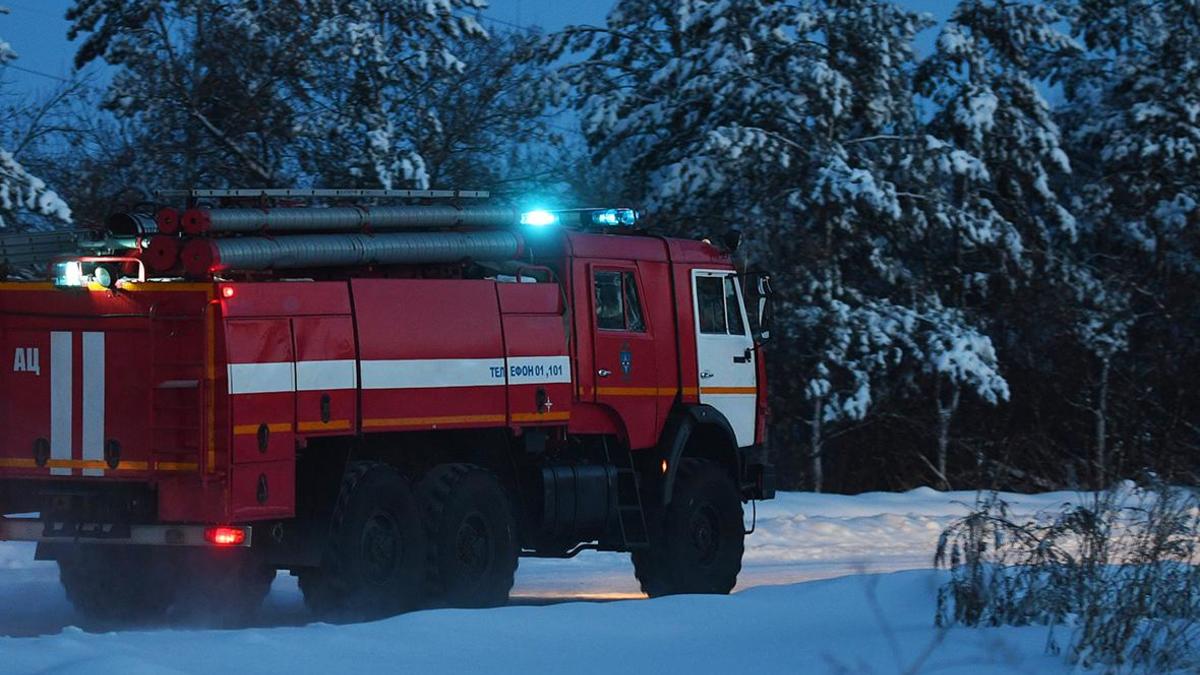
pixel 705 374
pixel 604 372
pixel 745 358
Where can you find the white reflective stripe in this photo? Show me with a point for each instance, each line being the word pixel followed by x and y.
pixel 93 400
pixel 60 399
pixel 426 373
pixel 265 378
pixel 262 378
pixel 539 369
pixel 326 375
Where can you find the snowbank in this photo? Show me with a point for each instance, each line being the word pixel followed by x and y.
pixel 862 622
pixel 815 627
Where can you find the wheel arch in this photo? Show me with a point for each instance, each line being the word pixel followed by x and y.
pixel 702 432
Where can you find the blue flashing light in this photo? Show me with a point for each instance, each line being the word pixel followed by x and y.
pixel 539 218
pixel 615 218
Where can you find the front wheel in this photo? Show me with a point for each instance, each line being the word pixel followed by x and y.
pixel 698 539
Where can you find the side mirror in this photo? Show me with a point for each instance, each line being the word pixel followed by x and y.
pixel 760 294
pixel 732 239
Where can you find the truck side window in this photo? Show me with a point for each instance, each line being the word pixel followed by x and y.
pixel 733 310
pixel 633 306
pixel 610 310
pixel 710 301
pixel 617 304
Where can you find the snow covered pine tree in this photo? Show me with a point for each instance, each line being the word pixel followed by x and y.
pixel 1133 117
pixel 372 62
pixel 994 165
pixel 307 87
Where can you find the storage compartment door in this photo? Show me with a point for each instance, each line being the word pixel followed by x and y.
pixel 262 389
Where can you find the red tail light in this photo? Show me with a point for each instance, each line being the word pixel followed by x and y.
pixel 225 536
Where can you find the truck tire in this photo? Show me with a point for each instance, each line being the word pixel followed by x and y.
pixel 222 588
pixel 374 561
pixel 697 540
pixel 114 583
pixel 472 537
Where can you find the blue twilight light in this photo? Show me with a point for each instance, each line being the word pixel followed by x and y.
pixel 615 217
pixel 539 218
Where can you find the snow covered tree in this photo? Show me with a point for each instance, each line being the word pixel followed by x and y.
pixel 210 85
pixel 994 163
pixel 23 195
pixel 1132 113
pixel 795 121
pixel 479 126
pixel 371 64
pixel 998 147
pixel 259 92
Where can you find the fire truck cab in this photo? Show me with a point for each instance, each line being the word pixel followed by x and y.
pixel 393 418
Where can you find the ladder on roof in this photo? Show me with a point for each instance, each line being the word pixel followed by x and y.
pixel 24 249
pixel 318 193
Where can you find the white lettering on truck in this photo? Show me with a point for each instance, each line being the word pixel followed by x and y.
pixel 27 360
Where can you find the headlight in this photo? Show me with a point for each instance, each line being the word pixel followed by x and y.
pixel 69 273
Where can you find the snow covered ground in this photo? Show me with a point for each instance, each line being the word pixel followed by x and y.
pixel 830 584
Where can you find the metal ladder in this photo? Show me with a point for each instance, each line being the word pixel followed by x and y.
pixel 37 247
pixel 631 515
pixel 177 405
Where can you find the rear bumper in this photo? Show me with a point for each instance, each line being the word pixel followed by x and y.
pixel 46 532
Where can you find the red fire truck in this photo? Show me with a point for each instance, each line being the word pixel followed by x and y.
pixel 391 394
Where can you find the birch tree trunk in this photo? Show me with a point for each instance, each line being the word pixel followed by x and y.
pixel 818 470
pixel 945 414
pixel 1101 418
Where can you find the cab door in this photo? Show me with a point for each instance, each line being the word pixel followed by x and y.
pixel 725 350
pixel 625 368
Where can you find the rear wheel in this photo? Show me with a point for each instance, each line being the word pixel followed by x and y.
pixel 115 583
pixel 698 539
pixel 374 562
pixel 222 587
pixel 473 543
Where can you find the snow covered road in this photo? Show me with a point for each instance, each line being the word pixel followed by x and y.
pixel 860 623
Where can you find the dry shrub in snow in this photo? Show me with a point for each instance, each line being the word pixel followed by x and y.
pixel 1116 572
